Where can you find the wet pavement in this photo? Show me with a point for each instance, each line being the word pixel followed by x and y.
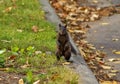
pixel 105 35
pixel 98 3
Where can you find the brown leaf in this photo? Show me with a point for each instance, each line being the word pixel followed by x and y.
pixel 8 9
pixel 55 76
pixel 4 69
pixel 57 5
pixel 25 66
pixel 12 57
pixel 35 29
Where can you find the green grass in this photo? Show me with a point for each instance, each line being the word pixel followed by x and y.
pixel 23 15
pixel 19 43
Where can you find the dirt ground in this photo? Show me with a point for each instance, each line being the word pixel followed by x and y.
pixel 9 78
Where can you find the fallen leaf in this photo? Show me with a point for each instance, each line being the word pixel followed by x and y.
pixel 12 57
pixel 66 63
pixel 106 67
pixel 13 1
pixel 40 30
pixel 102 47
pixel 8 9
pixel 115 82
pixel 117 52
pixel 21 81
pixel 117 62
pixel 2 51
pixel 115 39
pixel 111 60
pixel 25 66
pixel 4 69
pixel 79 31
pixel 95 1
pixel 94 17
pixel 19 30
pixel 108 82
pixel 111 75
pixel 82 52
pixel 71 31
pixel 38 52
pixel 35 29
pixel 37 82
pixel 113 71
pixel 105 23
pixel 55 76
pixel 6 41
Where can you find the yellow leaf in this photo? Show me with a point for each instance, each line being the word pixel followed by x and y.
pixel 40 30
pixel 114 82
pixel 8 9
pixel 95 1
pixel 37 82
pixel 111 60
pixel 108 82
pixel 105 23
pixel 66 63
pixel 117 62
pixel 102 47
pixel 21 81
pixel 4 69
pixel 117 52
pixel 111 75
pixel 55 76
pixel 115 39
pixel 106 67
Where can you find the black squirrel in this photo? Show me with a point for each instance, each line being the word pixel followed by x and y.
pixel 64 47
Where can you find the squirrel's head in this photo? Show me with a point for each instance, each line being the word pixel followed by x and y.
pixel 62 29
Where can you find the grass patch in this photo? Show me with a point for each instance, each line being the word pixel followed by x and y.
pixel 25 51
pixel 16 22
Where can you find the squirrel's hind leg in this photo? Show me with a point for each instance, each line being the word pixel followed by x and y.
pixel 67 56
pixel 58 55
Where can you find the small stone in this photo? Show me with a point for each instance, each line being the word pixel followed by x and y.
pixel 48 52
pixel 38 52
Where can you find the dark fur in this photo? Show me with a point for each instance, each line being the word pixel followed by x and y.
pixel 63 43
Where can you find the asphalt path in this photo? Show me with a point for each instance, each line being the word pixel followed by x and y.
pixel 98 3
pixel 105 35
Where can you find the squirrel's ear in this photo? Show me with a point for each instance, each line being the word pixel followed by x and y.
pixel 59 25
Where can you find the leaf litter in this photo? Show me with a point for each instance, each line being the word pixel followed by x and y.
pixel 75 17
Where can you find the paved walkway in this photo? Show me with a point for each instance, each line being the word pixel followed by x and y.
pixel 105 35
